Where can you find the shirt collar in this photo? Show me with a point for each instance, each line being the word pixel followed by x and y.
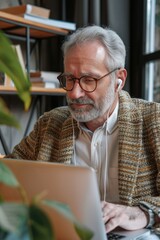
pixel 111 123
pixel 112 120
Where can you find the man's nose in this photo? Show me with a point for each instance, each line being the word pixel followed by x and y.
pixel 76 92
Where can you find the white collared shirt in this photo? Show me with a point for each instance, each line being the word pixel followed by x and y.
pixel 99 149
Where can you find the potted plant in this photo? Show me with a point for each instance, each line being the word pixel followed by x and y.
pixel 25 220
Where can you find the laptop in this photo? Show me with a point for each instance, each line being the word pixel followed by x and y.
pixel 73 185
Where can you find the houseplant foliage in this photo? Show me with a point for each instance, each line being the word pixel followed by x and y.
pixel 10 65
pixel 25 220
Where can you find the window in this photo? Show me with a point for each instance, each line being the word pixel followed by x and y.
pixel 152 50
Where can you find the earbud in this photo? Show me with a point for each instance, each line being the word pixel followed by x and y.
pixel 119 84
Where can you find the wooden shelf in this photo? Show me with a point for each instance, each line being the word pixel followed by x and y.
pixel 17 25
pixel 34 90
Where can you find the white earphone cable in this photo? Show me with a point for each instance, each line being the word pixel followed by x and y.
pixel 107 148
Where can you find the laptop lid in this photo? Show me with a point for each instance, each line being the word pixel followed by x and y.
pixel 73 185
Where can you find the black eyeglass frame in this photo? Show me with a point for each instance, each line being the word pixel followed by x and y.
pixel 79 80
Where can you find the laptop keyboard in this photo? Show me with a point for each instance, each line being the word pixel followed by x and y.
pixel 114 236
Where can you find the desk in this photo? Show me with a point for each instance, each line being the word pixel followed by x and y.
pixel 38 103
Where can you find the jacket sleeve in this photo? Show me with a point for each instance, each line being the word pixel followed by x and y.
pixel 28 148
pixel 43 143
pixel 152 124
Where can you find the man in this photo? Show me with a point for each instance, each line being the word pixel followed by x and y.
pixel 103 127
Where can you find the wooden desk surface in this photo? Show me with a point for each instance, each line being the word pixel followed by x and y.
pixel 17 26
pixel 4 90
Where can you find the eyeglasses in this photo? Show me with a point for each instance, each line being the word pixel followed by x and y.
pixel 87 83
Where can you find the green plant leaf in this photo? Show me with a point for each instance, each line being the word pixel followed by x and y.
pixel 40 225
pixel 62 208
pixel 83 232
pixel 9 64
pixel 23 222
pixel 7 177
pixel 12 216
pixel 6 118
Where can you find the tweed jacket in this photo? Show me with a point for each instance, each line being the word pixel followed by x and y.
pixel 139 147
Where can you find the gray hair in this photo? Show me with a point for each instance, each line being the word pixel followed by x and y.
pixel 115 48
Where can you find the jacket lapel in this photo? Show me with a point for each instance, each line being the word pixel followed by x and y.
pixel 68 134
pixel 130 142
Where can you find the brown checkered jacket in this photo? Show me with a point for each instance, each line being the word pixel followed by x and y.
pixel 139 147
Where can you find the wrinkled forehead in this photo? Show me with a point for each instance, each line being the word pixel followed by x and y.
pixel 84 45
pixel 88 51
pixel 79 64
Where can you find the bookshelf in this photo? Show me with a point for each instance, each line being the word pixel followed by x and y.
pixel 17 27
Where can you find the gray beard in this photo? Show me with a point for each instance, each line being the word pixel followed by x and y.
pixel 91 111
pixel 85 116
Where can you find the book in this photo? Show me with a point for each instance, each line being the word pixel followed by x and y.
pixel 35 74
pixel 36 79
pixel 35 82
pixel 51 22
pixel 27 9
pixel 7 81
pixel 38 84
pixel 44 78
pixel 17 48
pixel 19 53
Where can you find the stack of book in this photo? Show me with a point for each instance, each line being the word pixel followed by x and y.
pixel 40 15
pixel 44 79
pixel 38 78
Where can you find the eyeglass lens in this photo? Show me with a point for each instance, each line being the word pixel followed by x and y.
pixel 87 83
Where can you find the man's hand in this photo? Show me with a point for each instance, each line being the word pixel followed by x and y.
pixel 129 218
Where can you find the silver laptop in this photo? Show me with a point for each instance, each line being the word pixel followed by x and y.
pixel 73 185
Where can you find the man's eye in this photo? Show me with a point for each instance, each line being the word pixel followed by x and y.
pixel 69 79
pixel 88 80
